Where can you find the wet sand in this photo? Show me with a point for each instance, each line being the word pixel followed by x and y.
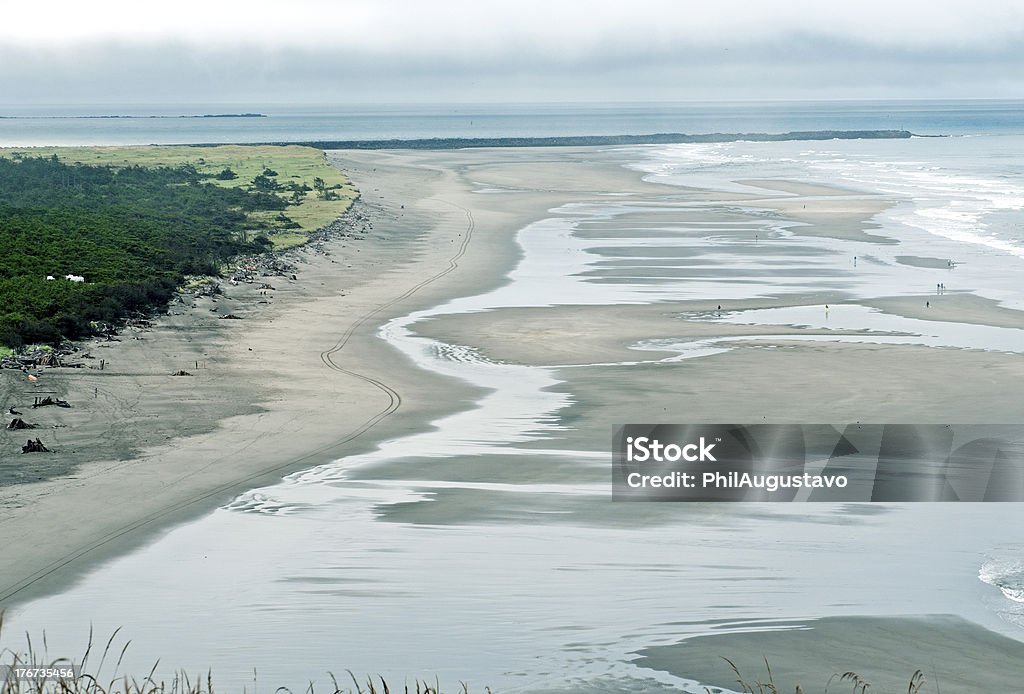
pixel 295 383
pixel 951 653
pixel 445 226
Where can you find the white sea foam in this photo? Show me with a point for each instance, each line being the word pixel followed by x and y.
pixel 1006 575
pixel 945 203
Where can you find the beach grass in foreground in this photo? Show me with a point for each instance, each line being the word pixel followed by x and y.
pixel 15 666
pixel 32 671
pixel 90 677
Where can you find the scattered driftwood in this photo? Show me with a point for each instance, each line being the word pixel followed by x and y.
pixel 19 423
pixel 181 372
pixel 38 357
pixel 34 447
pixel 230 316
pixel 250 268
pixel 47 401
pixel 204 287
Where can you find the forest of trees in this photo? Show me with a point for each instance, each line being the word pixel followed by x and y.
pixel 133 233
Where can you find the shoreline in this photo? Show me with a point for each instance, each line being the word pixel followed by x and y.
pixel 445 143
pixel 417 263
pixel 57 527
pixel 883 651
pixel 471 489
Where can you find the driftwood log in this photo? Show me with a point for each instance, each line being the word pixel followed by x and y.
pixel 34 447
pixel 47 401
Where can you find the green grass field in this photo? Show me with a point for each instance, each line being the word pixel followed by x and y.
pixel 292 163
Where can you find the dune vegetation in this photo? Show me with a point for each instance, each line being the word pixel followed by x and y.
pixel 91 235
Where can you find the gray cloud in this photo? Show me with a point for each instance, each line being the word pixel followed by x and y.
pixel 395 51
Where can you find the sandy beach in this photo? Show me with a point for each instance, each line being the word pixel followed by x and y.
pixel 296 382
pixel 304 383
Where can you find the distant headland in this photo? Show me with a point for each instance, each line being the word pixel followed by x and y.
pixel 590 140
pixel 133 117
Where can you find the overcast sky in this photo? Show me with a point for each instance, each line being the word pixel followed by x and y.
pixel 321 51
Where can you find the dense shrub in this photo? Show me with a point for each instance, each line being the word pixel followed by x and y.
pixel 132 233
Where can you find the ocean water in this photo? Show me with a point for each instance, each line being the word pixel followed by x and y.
pixel 344 565
pixel 71 124
pixel 957 198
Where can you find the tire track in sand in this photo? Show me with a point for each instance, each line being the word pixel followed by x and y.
pixel 328 357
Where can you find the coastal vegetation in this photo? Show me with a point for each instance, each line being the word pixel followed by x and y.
pixel 235 166
pixel 90 235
